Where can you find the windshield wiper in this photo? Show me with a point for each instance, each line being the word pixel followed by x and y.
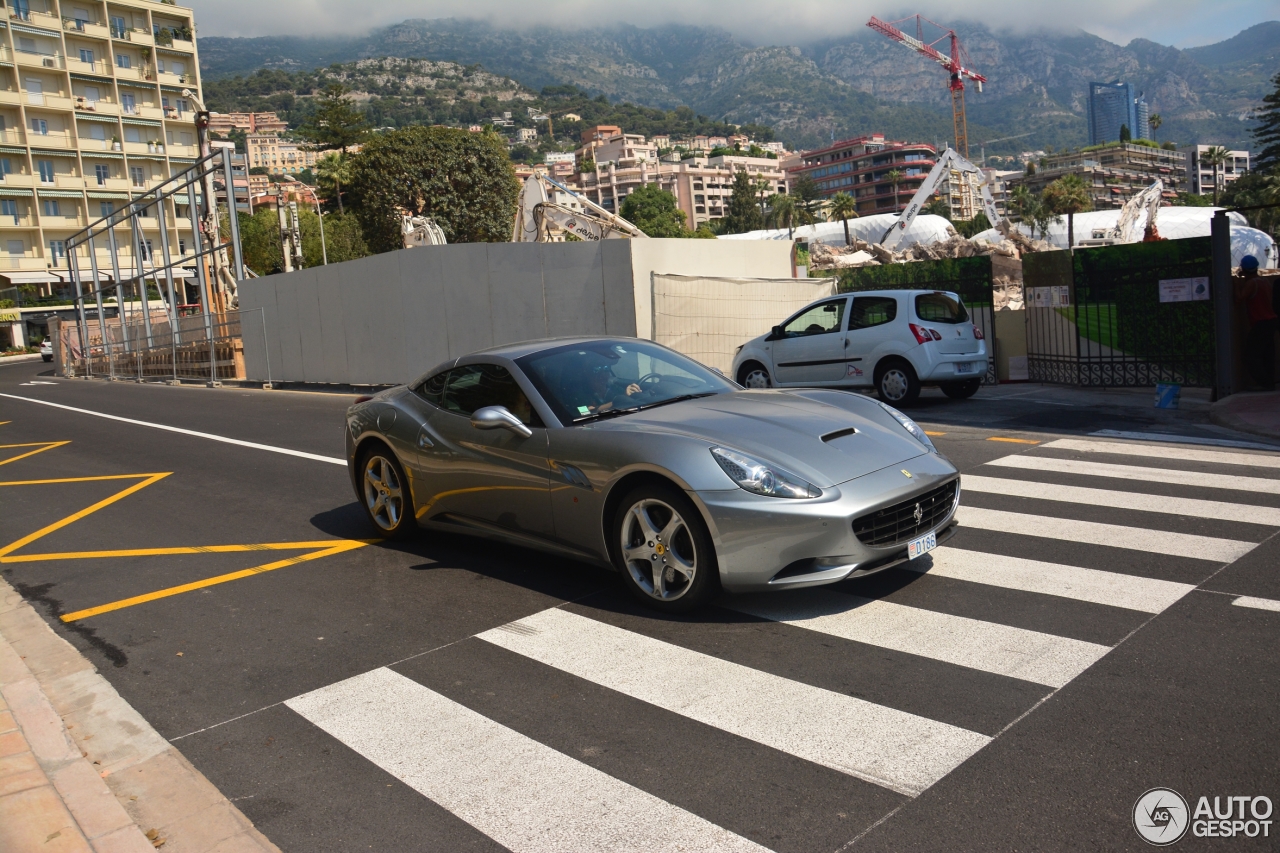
pixel 608 413
pixel 679 399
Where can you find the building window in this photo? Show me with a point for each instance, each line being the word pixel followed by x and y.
pixel 6 166
pixel 49 207
pixel 138 176
pixel 123 60
pixel 132 134
pixel 101 171
pixel 40 127
pixel 46 171
pixel 57 251
pixel 127 101
pixel 105 209
pixel 86 56
pixel 9 208
pixel 117 27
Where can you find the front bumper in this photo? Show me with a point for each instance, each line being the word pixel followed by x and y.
pixel 775 543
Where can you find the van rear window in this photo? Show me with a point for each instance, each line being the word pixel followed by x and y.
pixel 940 308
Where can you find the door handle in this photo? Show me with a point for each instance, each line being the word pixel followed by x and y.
pixel 424 440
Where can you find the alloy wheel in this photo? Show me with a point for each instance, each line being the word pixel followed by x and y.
pixel 383 494
pixel 658 549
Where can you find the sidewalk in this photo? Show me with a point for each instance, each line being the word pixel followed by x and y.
pixel 1257 412
pixel 81 770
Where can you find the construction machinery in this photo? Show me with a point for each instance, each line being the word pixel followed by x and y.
pixel 421 231
pixel 1126 228
pixel 540 219
pixel 949 166
pixel 955 65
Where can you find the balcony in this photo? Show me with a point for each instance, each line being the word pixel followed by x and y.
pixel 71 221
pixel 100 66
pixel 51 101
pixel 13 136
pixel 148 111
pixel 88 145
pixel 88 28
pixel 132 73
pixel 108 184
pixel 183 44
pixel 51 61
pixel 22 220
pixel 109 108
pixel 137 148
pixel 44 19
pixel 182 150
pixel 68 182
pixel 52 139
pixel 137 36
pixel 170 79
pixel 18 179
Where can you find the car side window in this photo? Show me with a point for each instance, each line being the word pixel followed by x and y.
pixel 871 311
pixel 478 385
pixel 817 320
pixel 432 390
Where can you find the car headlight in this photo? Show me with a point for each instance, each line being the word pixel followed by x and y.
pixel 910 426
pixel 761 478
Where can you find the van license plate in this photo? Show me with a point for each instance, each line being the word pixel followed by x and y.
pixel 923 545
pixel 964 366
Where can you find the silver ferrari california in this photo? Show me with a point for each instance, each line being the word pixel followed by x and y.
pixel 622 452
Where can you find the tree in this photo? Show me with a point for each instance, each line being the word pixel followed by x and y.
pixel 1267 131
pixel 334 170
pixel 807 196
pixel 654 211
pixel 844 207
pixel 1030 210
pixel 1215 157
pixel 462 180
pixel 743 214
pixel 1070 195
pixel 782 210
pixel 260 241
pixel 1154 121
pixel 337 124
pixel 1252 190
pixel 342 238
pixel 893 176
pixel 1125 134
pixel 937 206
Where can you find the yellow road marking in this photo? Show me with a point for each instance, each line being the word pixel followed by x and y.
pixel 2 423
pixel 926 432
pixel 341 546
pixel 162 552
pixel 76 516
pixel 72 480
pixel 1012 440
pixel 43 445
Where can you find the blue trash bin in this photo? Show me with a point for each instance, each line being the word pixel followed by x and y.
pixel 1167 396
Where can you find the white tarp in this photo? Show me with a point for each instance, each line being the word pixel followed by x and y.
pixel 708 318
pixel 927 229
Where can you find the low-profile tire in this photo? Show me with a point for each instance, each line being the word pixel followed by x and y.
pixel 663 549
pixel 897 383
pixel 753 374
pixel 385 494
pixel 961 390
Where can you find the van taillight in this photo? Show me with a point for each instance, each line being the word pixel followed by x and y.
pixel 977 333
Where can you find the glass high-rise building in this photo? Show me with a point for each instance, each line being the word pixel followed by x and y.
pixel 1110 106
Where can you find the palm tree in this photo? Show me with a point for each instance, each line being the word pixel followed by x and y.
pixel 894 176
pixel 1070 195
pixel 1215 157
pixel 1154 122
pixel 782 208
pixel 336 169
pixel 844 207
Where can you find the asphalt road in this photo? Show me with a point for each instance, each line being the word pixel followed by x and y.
pixel 1061 656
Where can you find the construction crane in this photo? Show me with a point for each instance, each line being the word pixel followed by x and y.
pixel 983 147
pixel 950 161
pixel 540 220
pixel 955 65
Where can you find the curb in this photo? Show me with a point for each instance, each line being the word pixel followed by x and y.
pixel 113 772
pixel 11 359
pixel 1219 414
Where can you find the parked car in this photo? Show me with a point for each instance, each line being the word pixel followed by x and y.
pixel 624 453
pixel 892 340
pixel 46 349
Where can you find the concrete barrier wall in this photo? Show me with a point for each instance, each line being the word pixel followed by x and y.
pixel 389 318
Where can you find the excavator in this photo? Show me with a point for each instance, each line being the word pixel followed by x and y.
pixel 539 219
pixel 950 161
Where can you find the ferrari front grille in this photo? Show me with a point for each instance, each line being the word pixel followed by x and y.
pixel 902 522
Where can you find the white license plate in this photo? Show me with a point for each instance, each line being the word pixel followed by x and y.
pixel 923 545
pixel 964 366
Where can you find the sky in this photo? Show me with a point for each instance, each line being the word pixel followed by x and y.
pixel 1181 23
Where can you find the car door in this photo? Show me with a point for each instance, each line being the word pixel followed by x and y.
pixel 490 476
pixel 811 346
pixel 871 325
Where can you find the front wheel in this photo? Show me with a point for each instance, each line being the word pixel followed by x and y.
pixel 897 384
pixel 664 550
pixel 384 488
pixel 753 374
pixel 961 390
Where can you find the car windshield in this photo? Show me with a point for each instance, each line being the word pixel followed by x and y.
pixel 938 307
pixel 583 382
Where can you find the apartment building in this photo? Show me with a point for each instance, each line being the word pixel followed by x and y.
pixel 1113 172
pixel 1200 172
pixel 223 124
pixel 278 156
pixel 862 167
pixel 91 112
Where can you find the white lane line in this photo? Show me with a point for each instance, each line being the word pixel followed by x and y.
pixel 1111 535
pixel 888 747
pixel 1259 603
pixel 1184 439
pixel 1135 472
pixel 1185 454
pixel 519 792
pixel 986 646
pixel 222 438
pixel 1217 510
pixel 1097 587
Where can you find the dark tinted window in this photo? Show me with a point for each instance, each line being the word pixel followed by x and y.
pixel 871 311
pixel 817 320
pixel 478 385
pixel 940 308
pixel 432 390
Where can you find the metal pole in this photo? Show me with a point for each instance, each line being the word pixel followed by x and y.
pixel 324 252
pixel 1223 300
pixel 137 277
pixel 174 326
pixel 266 354
pixel 205 290
pixel 102 314
pixel 84 324
pixel 238 269
pixel 120 314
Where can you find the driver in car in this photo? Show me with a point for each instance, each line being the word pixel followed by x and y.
pixel 602 391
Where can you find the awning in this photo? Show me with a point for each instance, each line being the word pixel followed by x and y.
pixel 142 122
pixel 17 277
pixel 15 192
pixel 46 153
pixel 174 90
pixel 94 117
pixel 86 78
pixel 112 155
pixel 146 157
pixel 60 194
pixel 4 149
pixel 21 28
pixel 113 196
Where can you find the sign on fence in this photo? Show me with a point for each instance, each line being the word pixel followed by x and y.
pixel 1184 289
pixel 1057 296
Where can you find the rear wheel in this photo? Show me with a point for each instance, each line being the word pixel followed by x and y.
pixel 664 550
pixel 384 488
pixel 961 390
pixel 897 383
pixel 753 374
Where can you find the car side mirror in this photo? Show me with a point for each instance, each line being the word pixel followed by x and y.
pixel 776 333
pixel 498 417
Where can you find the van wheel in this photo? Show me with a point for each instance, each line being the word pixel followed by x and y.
pixel 897 383
pixel 961 390
pixel 754 375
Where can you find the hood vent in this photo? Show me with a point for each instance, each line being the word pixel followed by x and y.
pixel 840 433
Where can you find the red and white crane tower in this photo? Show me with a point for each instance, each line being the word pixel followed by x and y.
pixel 955 65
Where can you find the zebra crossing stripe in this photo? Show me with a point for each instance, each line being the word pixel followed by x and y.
pixel 1217 510
pixel 1096 587
pixel 898 750
pixel 987 646
pixel 521 793
pixel 1135 472
pixel 1111 535
pixel 1185 454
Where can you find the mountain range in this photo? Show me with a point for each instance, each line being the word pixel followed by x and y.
pixel 840 87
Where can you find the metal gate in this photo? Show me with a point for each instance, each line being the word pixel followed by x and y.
pixel 970 278
pixel 117 259
pixel 1121 316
